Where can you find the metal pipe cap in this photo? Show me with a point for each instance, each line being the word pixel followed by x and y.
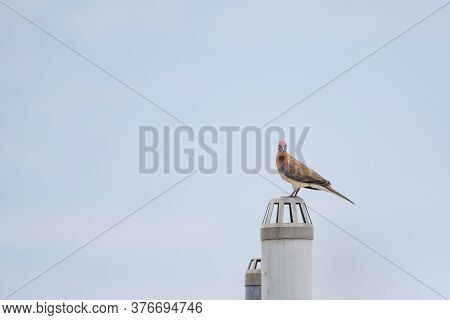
pixel 287 218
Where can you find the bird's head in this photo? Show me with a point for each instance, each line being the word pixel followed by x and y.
pixel 282 146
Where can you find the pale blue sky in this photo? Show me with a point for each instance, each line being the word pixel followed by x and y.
pixel 69 138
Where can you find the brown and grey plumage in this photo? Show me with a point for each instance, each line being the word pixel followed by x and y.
pixel 299 175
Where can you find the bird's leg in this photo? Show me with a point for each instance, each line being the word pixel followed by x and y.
pixel 296 191
pixel 292 194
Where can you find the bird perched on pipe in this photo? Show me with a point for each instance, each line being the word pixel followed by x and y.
pixel 300 176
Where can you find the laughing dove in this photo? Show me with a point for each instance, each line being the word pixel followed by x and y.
pixel 299 175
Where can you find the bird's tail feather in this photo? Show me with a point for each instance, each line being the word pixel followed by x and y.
pixel 330 189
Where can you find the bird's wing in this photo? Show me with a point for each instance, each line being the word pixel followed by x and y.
pixel 298 171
